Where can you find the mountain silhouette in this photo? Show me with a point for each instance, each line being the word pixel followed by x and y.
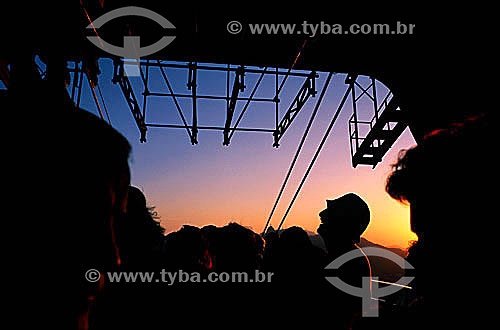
pixel 366 243
pixel 385 269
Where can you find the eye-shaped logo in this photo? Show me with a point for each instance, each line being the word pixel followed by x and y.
pixel 370 291
pixel 131 44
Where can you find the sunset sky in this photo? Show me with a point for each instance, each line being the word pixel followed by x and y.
pixel 213 184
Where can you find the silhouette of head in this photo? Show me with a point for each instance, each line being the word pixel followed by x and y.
pixel 294 247
pixel 344 220
pixel 99 160
pixel 442 171
pixel 136 200
pixel 402 182
pixel 295 238
pixel 187 249
pixel 100 157
pixel 139 236
pixel 238 248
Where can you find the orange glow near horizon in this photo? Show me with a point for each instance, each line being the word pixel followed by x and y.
pixel 244 192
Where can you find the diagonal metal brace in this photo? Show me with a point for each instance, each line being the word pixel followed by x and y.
pixel 191 85
pixel 122 80
pixel 308 89
pixel 238 86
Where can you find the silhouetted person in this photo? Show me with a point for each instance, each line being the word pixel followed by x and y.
pixel 187 249
pixel 210 234
pixel 297 275
pixel 238 249
pixel 73 173
pixel 271 238
pixel 294 258
pixel 87 167
pixel 140 237
pixel 444 179
pixel 342 224
pixel 140 241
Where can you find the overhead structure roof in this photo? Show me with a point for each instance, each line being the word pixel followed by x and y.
pixel 405 63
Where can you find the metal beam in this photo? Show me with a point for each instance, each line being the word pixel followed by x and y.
pixel 75 81
pixel 179 110
pixel 210 97
pixel 215 128
pixel 78 80
pixel 128 93
pixel 215 68
pixel 192 86
pixel 256 86
pixel 238 86
pixel 308 89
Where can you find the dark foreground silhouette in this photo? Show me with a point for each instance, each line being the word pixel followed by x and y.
pixel 297 288
pixel 95 220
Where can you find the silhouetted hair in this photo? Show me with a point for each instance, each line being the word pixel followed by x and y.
pixel 137 206
pixel 140 237
pixel 187 249
pixel 399 183
pixel 295 238
pixel 238 248
pixel 438 158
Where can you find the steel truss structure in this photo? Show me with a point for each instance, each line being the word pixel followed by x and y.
pixel 79 70
pixel 232 96
pixel 369 140
pixel 386 125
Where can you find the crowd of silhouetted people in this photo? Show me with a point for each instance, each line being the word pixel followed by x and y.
pixel 118 232
pixel 291 266
pixel 103 223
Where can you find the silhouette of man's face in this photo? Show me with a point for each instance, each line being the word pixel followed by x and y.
pixel 322 229
pixel 343 221
pixel 331 228
pixel 336 229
